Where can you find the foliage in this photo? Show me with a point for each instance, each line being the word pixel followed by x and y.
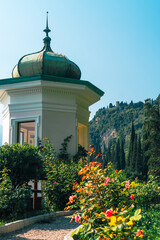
pixel 110 123
pixel 80 155
pixel 139 154
pixel 13 201
pixel 107 205
pixel 134 166
pixel 148 194
pixel 151 141
pixel 60 177
pixel 24 162
pixel 150 222
pixel 64 155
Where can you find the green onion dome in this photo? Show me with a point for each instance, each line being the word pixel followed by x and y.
pixel 46 62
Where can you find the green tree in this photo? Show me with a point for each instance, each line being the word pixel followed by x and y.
pixel 134 154
pixel 151 141
pixel 131 147
pixel 122 155
pixel 139 159
pixel 116 160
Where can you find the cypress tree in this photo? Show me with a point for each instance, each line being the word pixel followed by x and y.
pixel 113 153
pixel 117 155
pixel 134 154
pixel 145 156
pixel 152 138
pixel 139 159
pixel 131 145
pixel 122 155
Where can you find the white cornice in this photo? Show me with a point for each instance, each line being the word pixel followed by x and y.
pixel 83 93
pixel 40 106
pixel 40 89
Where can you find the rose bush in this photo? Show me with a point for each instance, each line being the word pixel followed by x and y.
pixel 106 203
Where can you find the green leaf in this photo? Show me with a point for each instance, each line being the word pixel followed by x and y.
pixel 137 215
pixel 87 227
pixel 137 212
pixel 75 232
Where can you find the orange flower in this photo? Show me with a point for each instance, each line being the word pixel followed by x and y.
pixel 92 164
pixel 99 164
pixel 83 178
pixel 82 171
pixel 98 155
pixel 79 190
pixel 140 233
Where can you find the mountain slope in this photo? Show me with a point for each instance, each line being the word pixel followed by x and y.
pixel 115 121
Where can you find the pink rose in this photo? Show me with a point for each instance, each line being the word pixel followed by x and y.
pixel 131 197
pixel 77 218
pixel 71 198
pixel 113 179
pixel 116 170
pixel 106 181
pixel 127 184
pixel 54 182
pixel 109 213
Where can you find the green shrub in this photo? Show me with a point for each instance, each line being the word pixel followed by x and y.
pixel 148 194
pixel 58 186
pixel 13 201
pixel 24 161
pixel 150 222
pixel 60 177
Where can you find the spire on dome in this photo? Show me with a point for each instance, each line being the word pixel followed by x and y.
pixel 47 39
pixel 46 30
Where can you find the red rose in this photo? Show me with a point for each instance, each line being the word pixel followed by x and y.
pixel 109 213
pixel 131 197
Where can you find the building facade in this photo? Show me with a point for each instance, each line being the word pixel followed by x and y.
pixel 46 98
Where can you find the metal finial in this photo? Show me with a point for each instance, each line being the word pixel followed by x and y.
pixel 47 39
pixel 47 30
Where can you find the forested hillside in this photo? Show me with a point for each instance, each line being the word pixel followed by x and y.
pixel 116 121
pixel 128 135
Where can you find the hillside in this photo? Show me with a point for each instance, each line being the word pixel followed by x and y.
pixel 115 121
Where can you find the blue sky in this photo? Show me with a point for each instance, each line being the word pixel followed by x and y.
pixel 116 43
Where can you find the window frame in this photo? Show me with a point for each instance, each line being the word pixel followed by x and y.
pixel 15 129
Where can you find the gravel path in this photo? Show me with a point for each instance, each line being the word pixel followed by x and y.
pixel 55 230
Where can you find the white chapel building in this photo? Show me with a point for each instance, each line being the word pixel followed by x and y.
pixel 46 98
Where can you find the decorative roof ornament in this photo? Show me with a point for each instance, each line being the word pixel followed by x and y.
pixel 46 62
pixel 47 39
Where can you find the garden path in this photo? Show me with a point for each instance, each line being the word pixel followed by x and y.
pixel 54 230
